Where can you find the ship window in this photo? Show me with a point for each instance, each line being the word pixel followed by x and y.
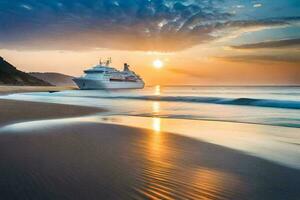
pixel 94 72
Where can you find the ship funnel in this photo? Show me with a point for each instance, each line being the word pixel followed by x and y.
pixel 126 67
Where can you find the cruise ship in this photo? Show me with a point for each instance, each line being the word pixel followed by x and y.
pixel 102 76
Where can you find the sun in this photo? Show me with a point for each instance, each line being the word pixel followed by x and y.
pixel 158 64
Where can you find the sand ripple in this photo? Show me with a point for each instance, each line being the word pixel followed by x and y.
pixel 92 161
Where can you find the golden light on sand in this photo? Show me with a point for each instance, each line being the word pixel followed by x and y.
pixel 158 64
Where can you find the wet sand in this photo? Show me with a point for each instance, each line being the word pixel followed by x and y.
pixel 17 111
pixel 6 89
pixel 86 160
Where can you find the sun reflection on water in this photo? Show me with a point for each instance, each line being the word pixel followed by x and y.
pixel 156 124
pixel 157 90
pixel 156 107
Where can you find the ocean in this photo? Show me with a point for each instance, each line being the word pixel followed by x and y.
pixel 276 106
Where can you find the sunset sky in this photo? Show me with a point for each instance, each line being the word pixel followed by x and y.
pixel 221 42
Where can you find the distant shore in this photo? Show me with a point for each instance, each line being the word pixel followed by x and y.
pixel 90 160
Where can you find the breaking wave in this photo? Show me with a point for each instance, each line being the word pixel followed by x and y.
pixel 288 104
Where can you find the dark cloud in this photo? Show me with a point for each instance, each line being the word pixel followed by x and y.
pixel 288 58
pixel 162 25
pixel 271 44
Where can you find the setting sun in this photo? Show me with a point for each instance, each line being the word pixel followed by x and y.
pixel 158 64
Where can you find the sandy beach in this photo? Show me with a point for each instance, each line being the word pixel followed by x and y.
pixel 88 160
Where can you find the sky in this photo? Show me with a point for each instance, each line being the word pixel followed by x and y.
pixel 205 42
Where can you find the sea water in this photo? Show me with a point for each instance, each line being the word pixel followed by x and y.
pixel 277 106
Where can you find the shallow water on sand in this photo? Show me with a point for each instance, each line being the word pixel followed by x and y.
pixel 87 160
pixel 263 141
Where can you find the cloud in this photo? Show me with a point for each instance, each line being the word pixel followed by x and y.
pixel 287 43
pixel 257 5
pixel 292 59
pixel 26 7
pixel 157 25
pixel 186 72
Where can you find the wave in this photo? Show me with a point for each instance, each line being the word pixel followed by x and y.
pixel 290 122
pixel 288 104
pixel 273 103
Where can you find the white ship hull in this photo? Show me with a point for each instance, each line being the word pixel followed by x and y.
pixel 90 84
